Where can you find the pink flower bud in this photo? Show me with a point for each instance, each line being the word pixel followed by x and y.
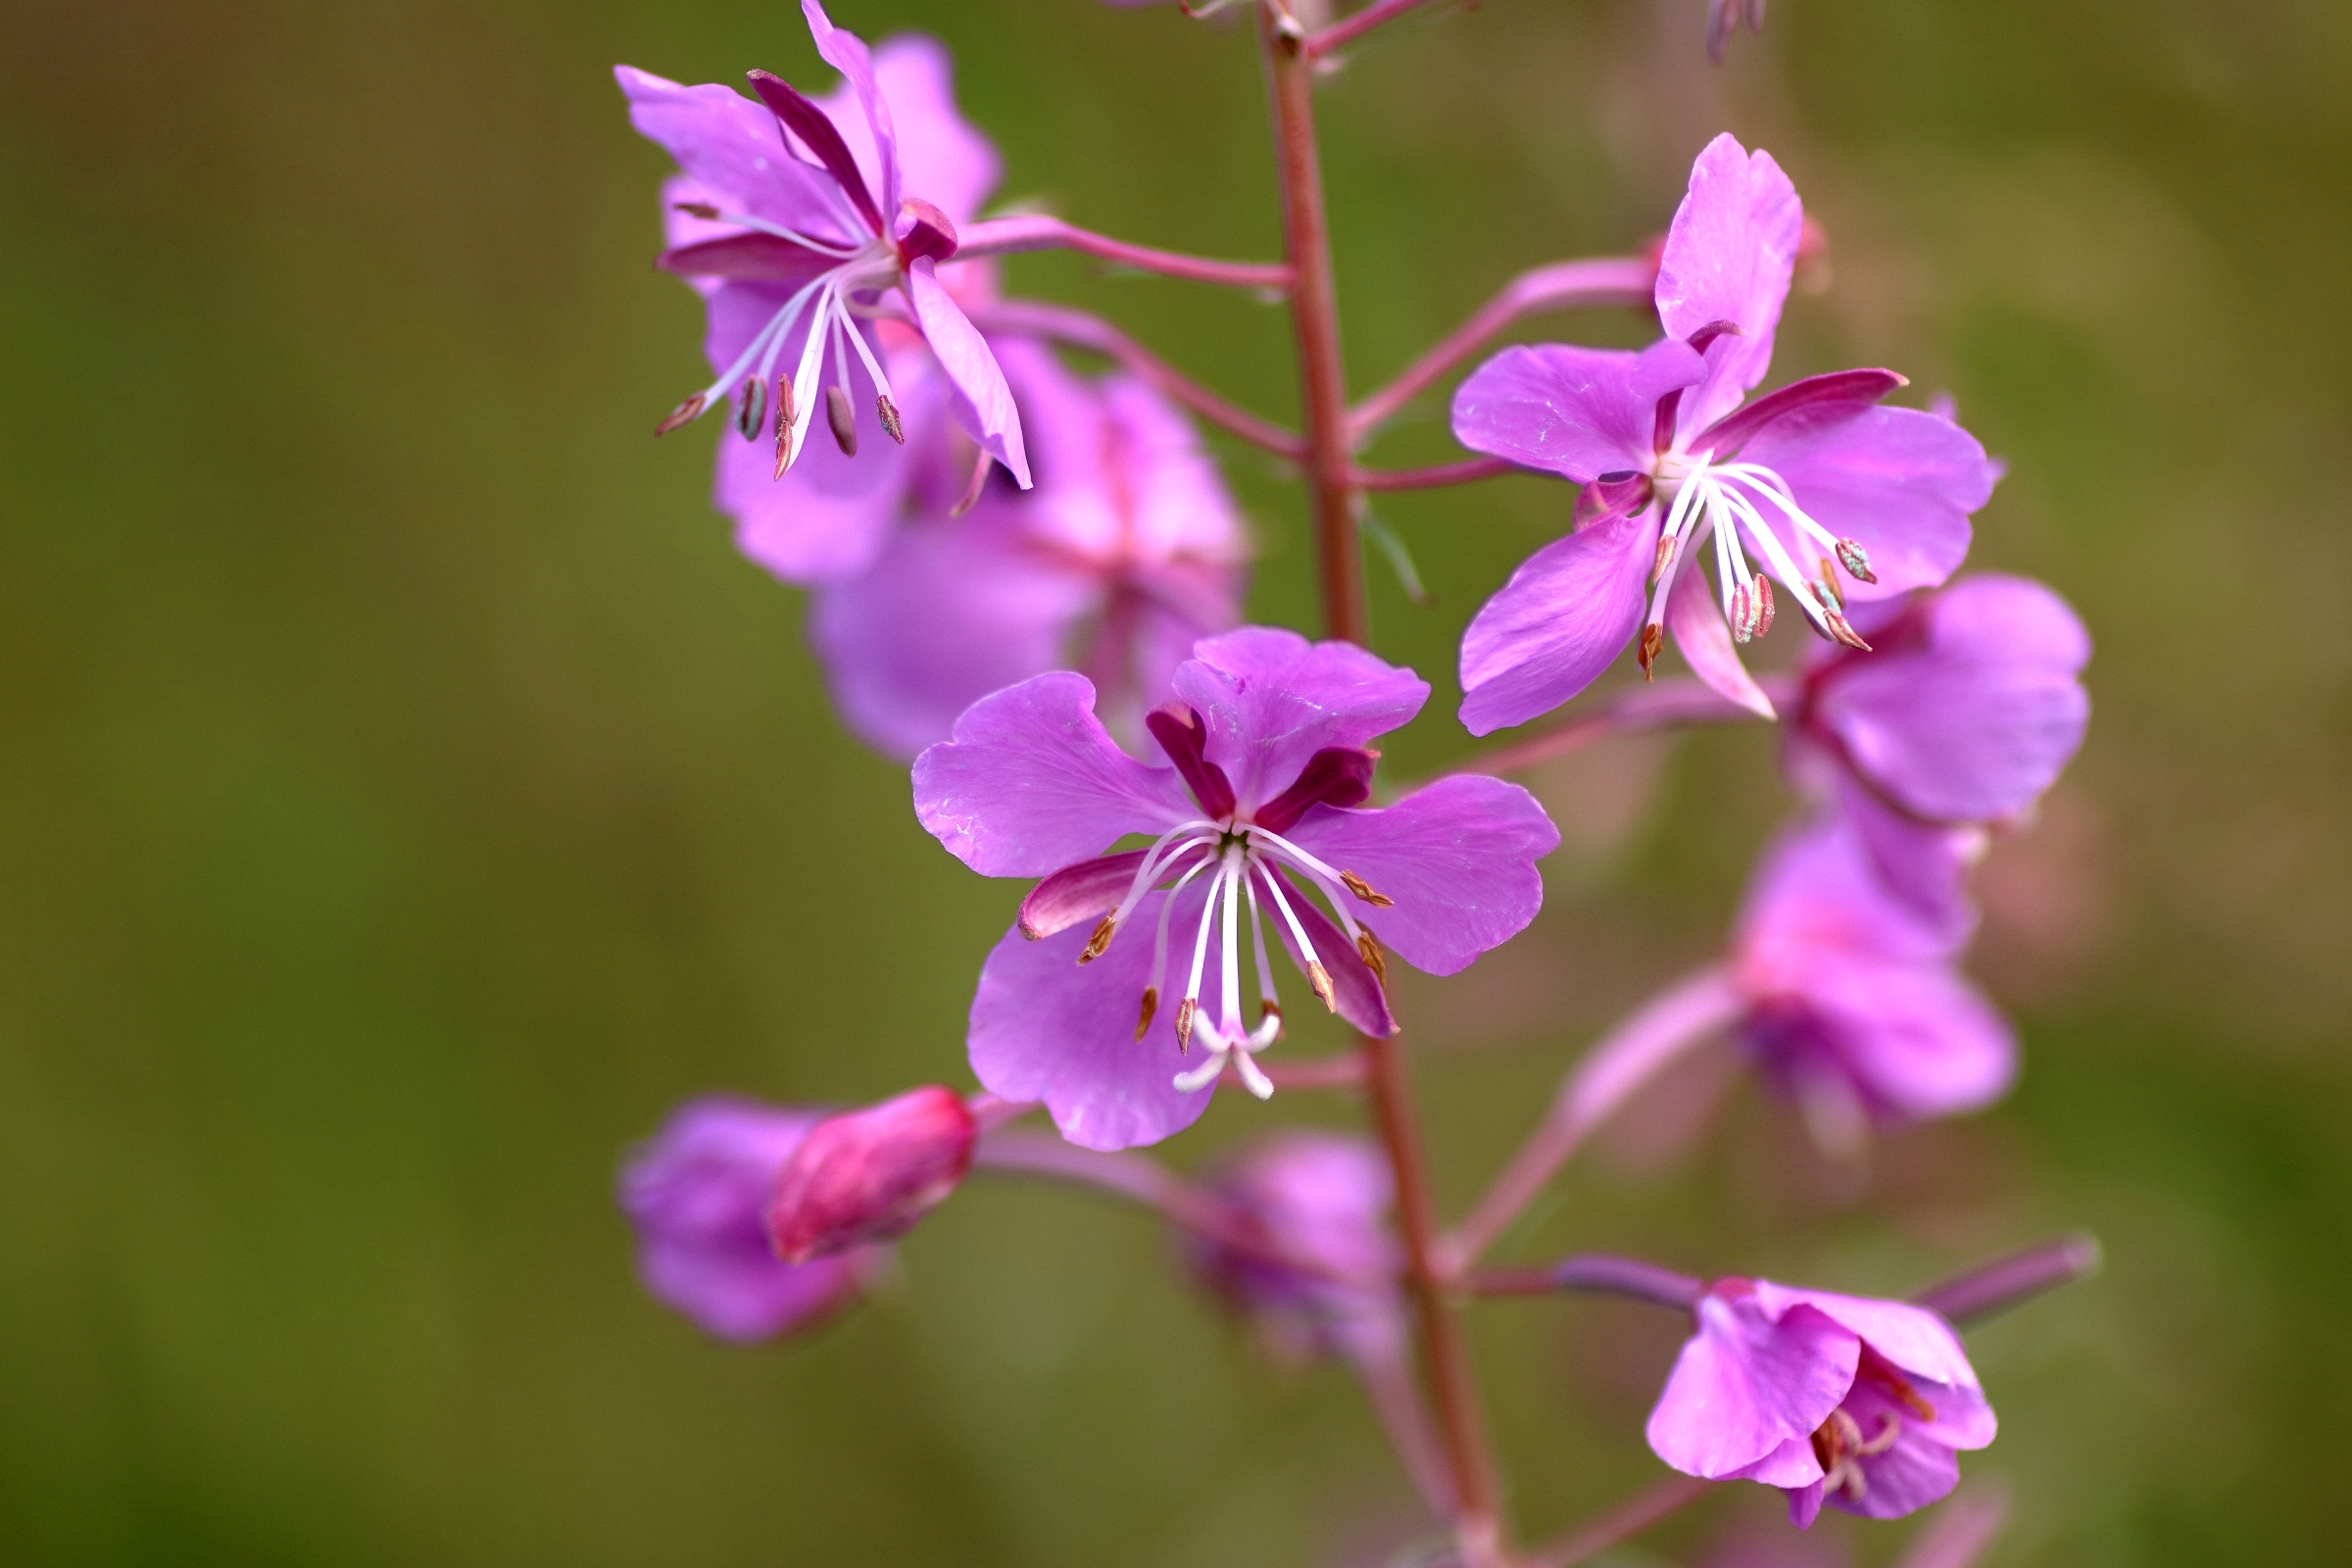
pixel 869 1175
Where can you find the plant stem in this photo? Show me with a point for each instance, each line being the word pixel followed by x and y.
pixel 1330 477
pixel 1350 28
pixel 1006 236
pixel 1467 471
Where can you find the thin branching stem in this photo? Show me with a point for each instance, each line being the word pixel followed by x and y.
pixel 1007 236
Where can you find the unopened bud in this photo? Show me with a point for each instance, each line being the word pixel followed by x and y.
pixel 1856 560
pixel 750 407
pixel 685 412
pixel 888 413
pixel 842 415
pixel 869 1175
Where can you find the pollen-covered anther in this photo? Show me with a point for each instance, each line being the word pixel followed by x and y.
pixel 1099 939
pixel 1321 978
pixel 888 413
pixel 1763 606
pixel 1653 642
pixel 841 415
pixel 1844 631
pixel 1856 560
pixel 750 410
pixel 1142 1020
pixel 685 412
pixel 1367 892
pixel 1744 613
pixel 1667 545
pixel 1830 594
pixel 1374 959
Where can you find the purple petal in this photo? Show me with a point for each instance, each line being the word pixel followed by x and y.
pixel 1576 413
pixel 1045 1027
pixel 1917 1470
pixel 1978 717
pixel 1729 257
pixel 1921 865
pixel 805 119
pixel 1815 894
pixel 977 396
pixel 1914 1339
pixel 1746 1383
pixel 729 145
pixel 750 255
pixel 1918 1040
pixel 846 53
pixel 1566 613
pixel 1457 858
pixel 1804 1505
pixel 1085 892
pixel 941 158
pixel 1336 776
pixel 1898 482
pixel 1031 782
pixel 1727 435
pixel 1272 699
pixel 1705 639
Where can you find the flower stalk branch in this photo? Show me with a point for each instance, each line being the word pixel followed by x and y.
pixel 1007 236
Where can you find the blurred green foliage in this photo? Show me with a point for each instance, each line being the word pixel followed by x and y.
pixel 408 794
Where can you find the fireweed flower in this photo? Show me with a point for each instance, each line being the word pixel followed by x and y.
pixel 1323 1197
pixel 1837 1399
pixel 1966 709
pixel 796 216
pixel 697 1193
pixel 1128 550
pixel 1260 808
pixel 1853 1007
pixel 1815 487
pixel 870 1175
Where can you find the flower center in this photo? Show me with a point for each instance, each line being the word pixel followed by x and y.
pixel 1841 1447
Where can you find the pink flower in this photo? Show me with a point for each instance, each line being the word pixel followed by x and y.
pixel 796 220
pixel 1853 1005
pixel 697 1192
pixel 870 1175
pixel 1323 1197
pixel 1836 497
pixel 1262 805
pixel 1127 552
pixel 1858 1403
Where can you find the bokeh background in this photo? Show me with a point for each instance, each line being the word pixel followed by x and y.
pixel 407 794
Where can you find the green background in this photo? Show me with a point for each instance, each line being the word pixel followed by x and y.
pixel 407 794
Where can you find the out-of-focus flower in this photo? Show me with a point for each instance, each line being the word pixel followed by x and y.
pixel 698 1192
pixel 1853 1005
pixel 1838 497
pixel 1724 18
pixel 797 220
pixel 1860 1404
pixel 1323 1197
pixel 1128 550
pixel 1968 706
pixel 870 1175
pixel 1263 801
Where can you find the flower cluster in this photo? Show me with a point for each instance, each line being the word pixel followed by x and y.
pixel 1027 582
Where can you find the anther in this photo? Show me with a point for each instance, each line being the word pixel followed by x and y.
pixel 1185 1011
pixel 1366 892
pixel 1855 559
pixel 702 209
pixel 1321 978
pixel 785 413
pixel 1268 1008
pixel 685 412
pixel 842 415
pixel 1843 632
pixel 1151 1006
pixel 1763 606
pixel 1744 613
pixel 889 413
pixel 753 406
pixel 1654 641
pixel 1830 593
pixel 1667 545
pixel 1099 941
pixel 1374 959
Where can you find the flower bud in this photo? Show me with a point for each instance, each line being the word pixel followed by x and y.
pixel 869 1175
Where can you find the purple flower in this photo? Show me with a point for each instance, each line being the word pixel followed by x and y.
pixel 1854 1008
pixel 1858 1403
pixel 1262 805
pixel 870 1175
pixel 1127 552
pixel 697 1192
pixel 1966 709
pixel 797 219
pixel 1322 1197
pixel 1835 497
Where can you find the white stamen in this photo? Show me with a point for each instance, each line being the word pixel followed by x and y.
pixel 1229 1023
pixel 1159 935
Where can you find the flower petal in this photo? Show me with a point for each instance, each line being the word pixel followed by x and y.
pixel 1916 1040
pixel 1578 413
pixel 846 53
pixel 729 144
pixel 1566 613
pixel 1458 860
pixel 943 158
pixel 800 115
pixel 1031 782
pixel 1899 482
pixel 1271 700
pixel 1747 1382
pixel 1705 641
pixel 1727 435
pixel 1913 1337
pixel 765 257
pixel 1085 892
pixel 1729 257
pixel 977 396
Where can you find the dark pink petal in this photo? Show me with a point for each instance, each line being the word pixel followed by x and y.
pixel 815 130
pixel 1336 776
pixel 729 146
pixel 1085 892
pixel 1564 616
pixel 1272 699
pixel 1705 639
pixel 1725 437
pixel 1900 483
pixel 1031 783
pixel 1729 257
pixel 1747 1382
pixel 923 229
pixel 1358 994
pixel 1458 860
pixel 846 53
pixel 870 1175
pixel 763 256
pixel 1973 720
pixel 978 394
pixel 1045 1027
pixel 1914 1473
pixel 1574 411
pixel 1183 738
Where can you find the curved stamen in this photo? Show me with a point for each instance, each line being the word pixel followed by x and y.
pixel 716 214
pixel 1189 1008
pixel 1269 1005
pixel 1159 860
pixel 1159 948
pixel 1229 1022
pixel 1316 975
pixel 1327 880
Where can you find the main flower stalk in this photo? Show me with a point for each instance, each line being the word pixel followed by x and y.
pixel 1330 475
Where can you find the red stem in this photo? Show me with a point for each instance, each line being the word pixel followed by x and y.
pixel 1467 471
pixel 1653 704
pixel 1082 330
pixel 1347 29
pixel 1564 285
pixel 1627 1519
pixel 1006 236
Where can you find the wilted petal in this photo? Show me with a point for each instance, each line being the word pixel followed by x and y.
pixel 1729 257
pixel 1746 1383
pixel 1564 616
pixel 1576 413
pixel 977 396
pixel 1899 482
pixel 1457 858
pixel 1271 700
